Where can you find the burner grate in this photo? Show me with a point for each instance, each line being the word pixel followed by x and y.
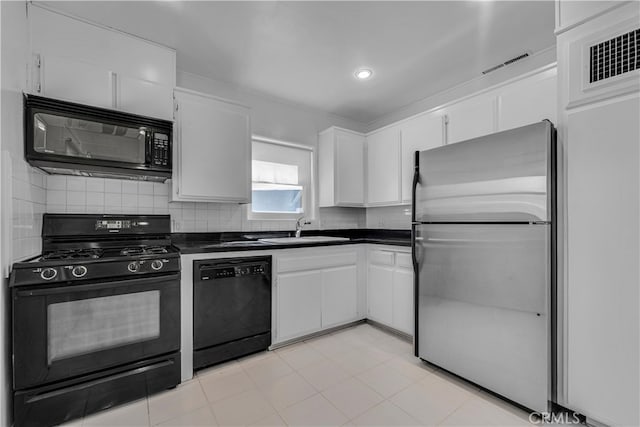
pixel 92 253
pixel 143 250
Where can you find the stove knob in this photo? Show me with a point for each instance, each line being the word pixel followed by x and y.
pixel 79 271
pixel 157 264
pixel 48 273
pixel 133 266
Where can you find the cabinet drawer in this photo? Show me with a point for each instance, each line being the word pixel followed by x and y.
pixel 404 260
pixel 314 262
pixel 381 257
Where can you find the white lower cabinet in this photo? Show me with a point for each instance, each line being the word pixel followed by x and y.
pixel 390 288
pixel 299 303
pixel 380 293
pixel 339 295
pixel 316 288
pixel 402 300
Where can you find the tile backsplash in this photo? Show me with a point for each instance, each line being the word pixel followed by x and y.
pixel 28 201
pixel 70 194
pixel 390 217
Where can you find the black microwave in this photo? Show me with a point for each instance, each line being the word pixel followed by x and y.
pixel 67 138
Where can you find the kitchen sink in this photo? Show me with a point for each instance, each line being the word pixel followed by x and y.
pixel 242 243
pixel 304 239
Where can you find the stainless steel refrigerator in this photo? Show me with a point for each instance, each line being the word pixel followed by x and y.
pixel 483 240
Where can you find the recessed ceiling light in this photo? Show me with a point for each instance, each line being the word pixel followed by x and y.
pixel 363 73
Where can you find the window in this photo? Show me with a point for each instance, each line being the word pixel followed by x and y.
pixel 281 180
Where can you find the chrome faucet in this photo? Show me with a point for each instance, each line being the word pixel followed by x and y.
pixel 299 224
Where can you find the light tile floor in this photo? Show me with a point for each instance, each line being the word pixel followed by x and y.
pixel 360 376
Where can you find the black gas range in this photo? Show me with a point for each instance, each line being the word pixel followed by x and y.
pixel 96 317
pixel 80 247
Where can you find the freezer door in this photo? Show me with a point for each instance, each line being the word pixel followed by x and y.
pixel 503 177
pixel 483 306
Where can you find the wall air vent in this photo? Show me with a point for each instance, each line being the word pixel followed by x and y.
pixel 615 56
pixel 505 63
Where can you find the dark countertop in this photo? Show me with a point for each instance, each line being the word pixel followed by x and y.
pixel 193 243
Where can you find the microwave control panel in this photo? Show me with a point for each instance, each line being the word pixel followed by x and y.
pixel 160 151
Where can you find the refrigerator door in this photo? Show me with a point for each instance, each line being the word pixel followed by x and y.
pixel 482 305
pixel 503 177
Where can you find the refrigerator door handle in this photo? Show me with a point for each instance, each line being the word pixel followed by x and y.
pixel 414 249
pixel 416 180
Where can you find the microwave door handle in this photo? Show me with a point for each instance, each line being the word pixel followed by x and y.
pixel 147 151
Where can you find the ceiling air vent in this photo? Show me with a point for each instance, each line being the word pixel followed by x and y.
pixel 615 56
pixel 505 63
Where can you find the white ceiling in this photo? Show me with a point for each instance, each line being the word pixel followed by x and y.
pixel 306 52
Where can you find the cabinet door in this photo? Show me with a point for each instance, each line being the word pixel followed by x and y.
pixel 76 81
pixel 349 169
pixel 299 297
pixel 213 150
pixel 144 97
pixel 419 133
pixel 529 101
pixel 603 199
pixel 380 294
pixel 383 167
pixel 403 307
pixel 470 119
pixel 339 295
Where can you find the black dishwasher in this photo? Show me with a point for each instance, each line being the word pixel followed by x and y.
pixel 231 308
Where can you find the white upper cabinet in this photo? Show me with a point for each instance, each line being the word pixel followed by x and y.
pixel 144 97
pixel 211 150
pixel 69 79
pixel 470 118
pixel 529 101
pixel 341 167
pixel 85 63
pixel 418 133
pixel 389 152
pixel 383 166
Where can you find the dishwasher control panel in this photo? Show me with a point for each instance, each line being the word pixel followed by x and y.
pixel 232 271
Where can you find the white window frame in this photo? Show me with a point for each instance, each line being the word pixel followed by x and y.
pixel 310 205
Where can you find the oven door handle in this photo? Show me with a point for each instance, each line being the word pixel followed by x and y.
pixel 93 286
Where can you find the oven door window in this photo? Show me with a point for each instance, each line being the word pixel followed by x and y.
pixel 85 139
pixel 84 326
